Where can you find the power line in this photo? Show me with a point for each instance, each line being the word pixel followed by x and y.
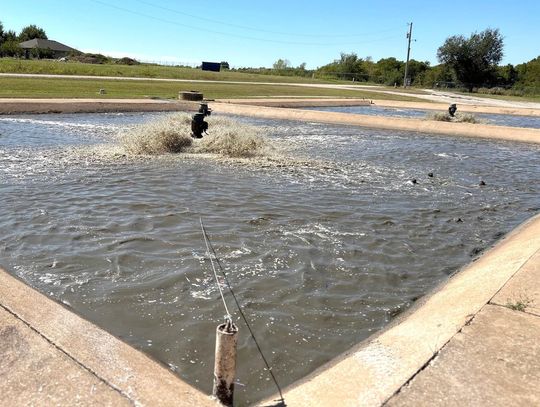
pixel 126 10
pixel 296 34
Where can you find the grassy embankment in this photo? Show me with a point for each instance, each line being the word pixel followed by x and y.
pixel 52 67
pixel 89 88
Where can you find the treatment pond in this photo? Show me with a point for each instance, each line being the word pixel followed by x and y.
pixel 325 237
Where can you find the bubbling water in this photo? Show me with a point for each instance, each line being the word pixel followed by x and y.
pixel 172 134
pixel 165 135
pixel 233 139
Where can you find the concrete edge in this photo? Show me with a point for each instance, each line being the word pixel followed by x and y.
pixel 391 123
pixel 370 373
pixel 44 106
pixel 137 377
pixel 318 102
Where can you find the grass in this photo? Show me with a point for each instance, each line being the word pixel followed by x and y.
pixel 52 67
pixel 11 87
pixel 519 304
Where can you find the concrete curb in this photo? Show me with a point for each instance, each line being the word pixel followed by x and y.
pixel 129 372
pixel 372 372
pixel 391 123
pixel 43 106
pixel 317 102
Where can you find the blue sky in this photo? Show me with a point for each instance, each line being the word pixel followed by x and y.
pixel 257 33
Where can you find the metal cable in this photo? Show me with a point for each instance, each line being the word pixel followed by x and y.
pixel 228 316
pixel 209 245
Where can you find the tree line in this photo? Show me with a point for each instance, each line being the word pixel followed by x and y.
pixel 9 40
pixel 470 63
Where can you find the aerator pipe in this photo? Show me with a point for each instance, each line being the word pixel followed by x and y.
pixel 225 362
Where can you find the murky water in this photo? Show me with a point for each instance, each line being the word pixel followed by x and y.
pixel 494 119
pixel 323 248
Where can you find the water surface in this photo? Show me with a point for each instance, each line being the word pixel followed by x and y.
pixel 494 119
pixel 323 248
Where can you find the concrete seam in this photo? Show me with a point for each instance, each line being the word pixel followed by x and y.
pixel 435 354
pixel 468 322
pixel 532 314
pixel 512 276
pixel 116 389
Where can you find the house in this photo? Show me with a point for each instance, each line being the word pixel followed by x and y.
pixel 45 48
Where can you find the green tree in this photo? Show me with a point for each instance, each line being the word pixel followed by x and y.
pixel 281 64
pixel 348 66
pixel 440 76
pixel 506 75
pixel 10 48
pixel 528 76
pixel 389 71
pixel 473 59
pixel 30 32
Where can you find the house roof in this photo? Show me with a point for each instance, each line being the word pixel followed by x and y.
pixel 45 44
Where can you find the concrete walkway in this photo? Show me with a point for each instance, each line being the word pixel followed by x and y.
pixel 51 357
pixel 494 360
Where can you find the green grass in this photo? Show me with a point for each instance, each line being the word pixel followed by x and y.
pixel 52 67
pixel 519 304
pixel 89 88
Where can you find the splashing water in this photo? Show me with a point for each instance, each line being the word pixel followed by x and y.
pixel 172 134
pixel 165 135
pixel 458 118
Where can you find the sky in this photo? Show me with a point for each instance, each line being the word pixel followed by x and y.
pixel 258 33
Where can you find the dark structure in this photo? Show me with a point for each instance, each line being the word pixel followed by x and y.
pixel 198 125
pixel 49 48
pixel 211 66
pixel 452 110
pixel 204 109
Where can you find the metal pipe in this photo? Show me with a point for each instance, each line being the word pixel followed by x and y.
pixel 225 362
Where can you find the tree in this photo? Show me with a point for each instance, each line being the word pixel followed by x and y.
pixel 389 71
pixel 30 32
pixel 281 64
pixel 528 76
pixel 348 66
pixel 10 48
pixel 473 59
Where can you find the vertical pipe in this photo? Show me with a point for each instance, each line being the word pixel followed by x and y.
pixel 225 362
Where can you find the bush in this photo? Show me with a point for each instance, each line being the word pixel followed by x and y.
pixel 11 48
pixel 91 58
pixel 127 61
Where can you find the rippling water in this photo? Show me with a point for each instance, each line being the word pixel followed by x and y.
pixel 495 119
pixel 323 245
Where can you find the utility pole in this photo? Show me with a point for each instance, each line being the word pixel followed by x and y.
pixel 409 36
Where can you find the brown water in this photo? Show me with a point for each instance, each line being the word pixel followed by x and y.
pixel 323 244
